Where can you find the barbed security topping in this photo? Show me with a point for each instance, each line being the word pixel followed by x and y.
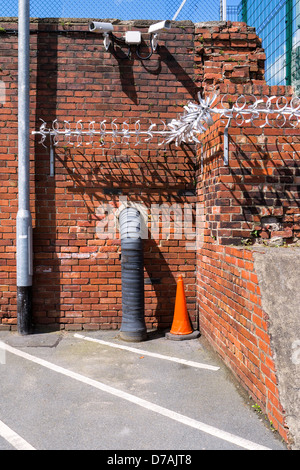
pixel 270 111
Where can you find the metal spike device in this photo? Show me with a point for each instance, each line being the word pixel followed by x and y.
pixel 198 117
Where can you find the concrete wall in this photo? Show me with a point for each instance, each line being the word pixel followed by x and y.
pixel 278 275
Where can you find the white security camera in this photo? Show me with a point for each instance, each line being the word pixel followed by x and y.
pixel 154 28
pixel 97 27
pixel 104 28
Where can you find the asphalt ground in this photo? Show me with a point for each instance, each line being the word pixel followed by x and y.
pixel 93 391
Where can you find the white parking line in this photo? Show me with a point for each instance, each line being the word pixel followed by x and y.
pixel 226 436
pixel 199 365
pixel 13 438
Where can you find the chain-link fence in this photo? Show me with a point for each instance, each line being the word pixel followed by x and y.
pixel 192 10
pixel 232 13
pixel 277 23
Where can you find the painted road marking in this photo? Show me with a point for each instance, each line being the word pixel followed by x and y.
pixel 13 438
pixel 199 365
pixel 226 436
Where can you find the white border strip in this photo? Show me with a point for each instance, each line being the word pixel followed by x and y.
pixel 141 352
pixel 13 438
pixel 226 436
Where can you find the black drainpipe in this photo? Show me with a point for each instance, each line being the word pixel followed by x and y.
pixel 133 327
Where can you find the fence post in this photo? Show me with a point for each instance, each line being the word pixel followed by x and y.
pixel 223 10
pixel 244 11
pixel 289 41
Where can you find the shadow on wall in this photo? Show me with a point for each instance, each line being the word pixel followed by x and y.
pixel 69 259
pixel 178 71
pixel 141 180
pixel 265 187
pixel 47 266
pixel 153 67
pixel 145 176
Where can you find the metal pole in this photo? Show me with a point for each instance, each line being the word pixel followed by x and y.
pixel 289 40
pixel 24 221
pixel 179 10
pixel 224 10
pixel 296 53
pixel 245 11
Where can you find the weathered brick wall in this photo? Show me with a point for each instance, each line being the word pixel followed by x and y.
pixel 260 181
pixel 77 274
pixel 257 195
pixel 8 176
pixel 255 198
pixel 231 317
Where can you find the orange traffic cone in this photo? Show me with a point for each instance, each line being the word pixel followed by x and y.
pixel 181 326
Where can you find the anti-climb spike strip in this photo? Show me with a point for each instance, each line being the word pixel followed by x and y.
pixel 61 133
pixel 198 117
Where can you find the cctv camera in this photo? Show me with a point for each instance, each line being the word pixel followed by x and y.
pixel 97 27
pixel 154 28
pixel 104 28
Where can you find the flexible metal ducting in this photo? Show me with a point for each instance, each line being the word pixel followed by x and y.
pixel 133 327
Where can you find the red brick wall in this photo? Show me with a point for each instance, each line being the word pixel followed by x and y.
pixel 254 199
pixel 228 294
pixel 8 177
pixel 77 275
pixel 261 181
pixel 232 319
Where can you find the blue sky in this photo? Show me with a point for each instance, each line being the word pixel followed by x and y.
pixel 193 10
